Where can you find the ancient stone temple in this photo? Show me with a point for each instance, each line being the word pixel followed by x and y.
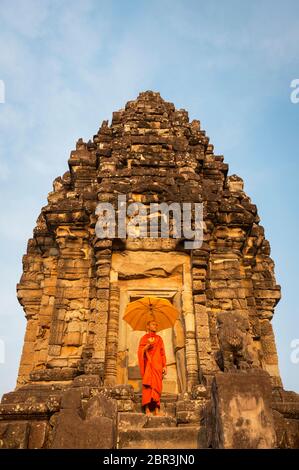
pixel 79 383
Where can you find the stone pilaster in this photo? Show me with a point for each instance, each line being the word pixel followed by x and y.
pixel 112 336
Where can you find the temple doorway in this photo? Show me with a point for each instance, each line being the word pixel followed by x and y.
pixel 141 274
pixel 128 368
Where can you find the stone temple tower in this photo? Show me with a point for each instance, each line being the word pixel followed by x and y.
pixel 79 363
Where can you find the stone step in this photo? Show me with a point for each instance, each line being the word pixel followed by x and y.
pixel 164 396
pixel 127 420
pixel 186 437
pixel 167 407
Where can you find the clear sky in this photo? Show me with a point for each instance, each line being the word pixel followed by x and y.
pixel 67 65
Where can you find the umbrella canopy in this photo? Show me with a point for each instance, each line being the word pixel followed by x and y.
pixel 143 310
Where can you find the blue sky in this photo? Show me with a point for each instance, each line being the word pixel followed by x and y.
pixel 67 65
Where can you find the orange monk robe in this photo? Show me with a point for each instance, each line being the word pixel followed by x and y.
pixel 151 363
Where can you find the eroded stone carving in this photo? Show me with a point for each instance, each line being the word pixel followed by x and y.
pixel 235 341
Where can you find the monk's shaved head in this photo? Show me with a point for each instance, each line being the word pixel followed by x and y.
pixel 152 325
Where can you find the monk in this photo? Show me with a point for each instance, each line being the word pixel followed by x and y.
pixel 152 363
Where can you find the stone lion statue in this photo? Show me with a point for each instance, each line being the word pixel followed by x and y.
pixel 235 341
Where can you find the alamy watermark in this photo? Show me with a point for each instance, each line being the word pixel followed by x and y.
pixel 2 91
pixel 137 220
pixel 294 96
pixel 295 353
